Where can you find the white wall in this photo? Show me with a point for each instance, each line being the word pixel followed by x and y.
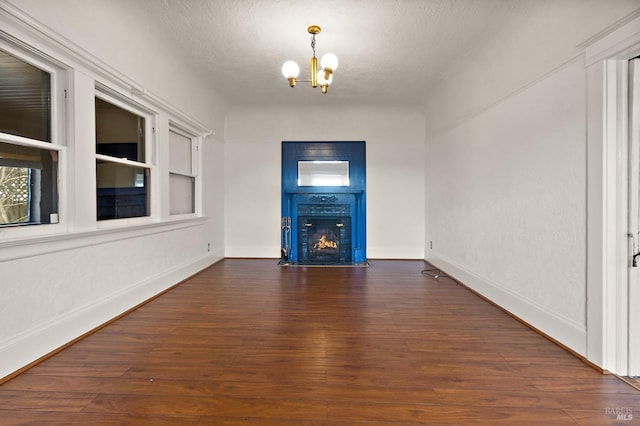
pixel 395 174
pixel 56 287
pixel 545 35
pixel 506 203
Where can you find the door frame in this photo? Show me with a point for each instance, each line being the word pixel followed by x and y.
pixel 633 288
pixel 607 312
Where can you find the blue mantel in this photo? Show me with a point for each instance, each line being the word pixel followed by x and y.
pixel 305 203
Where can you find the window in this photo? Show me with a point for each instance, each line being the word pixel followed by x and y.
pixel 182 176
pixel 122 168
pixel 47 88
pixel 28 158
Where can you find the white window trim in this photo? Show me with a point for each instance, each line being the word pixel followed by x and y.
pixel 149 162
pixel 37 245
pixel 58 84
pixel 196 157
pixel 57 70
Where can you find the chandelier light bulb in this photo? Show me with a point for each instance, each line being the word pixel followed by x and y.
pixel 322 80
pixel 329 61
pixel 290 70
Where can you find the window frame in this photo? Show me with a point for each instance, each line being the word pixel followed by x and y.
pixel 148 164
pixel 194 174
pixel 58 114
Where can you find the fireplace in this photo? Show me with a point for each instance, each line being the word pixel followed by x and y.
pixel 323 203
pixel 324 240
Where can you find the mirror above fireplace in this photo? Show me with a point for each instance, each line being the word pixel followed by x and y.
pixel 323 173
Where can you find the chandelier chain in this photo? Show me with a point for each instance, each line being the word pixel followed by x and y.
pixel 313 44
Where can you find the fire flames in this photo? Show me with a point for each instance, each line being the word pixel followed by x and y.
pixel 324 244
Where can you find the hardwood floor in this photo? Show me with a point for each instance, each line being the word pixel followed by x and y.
pixel 247 342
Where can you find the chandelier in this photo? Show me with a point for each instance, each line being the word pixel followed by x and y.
pixel 322 78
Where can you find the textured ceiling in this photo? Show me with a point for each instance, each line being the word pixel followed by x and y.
pixel 392 52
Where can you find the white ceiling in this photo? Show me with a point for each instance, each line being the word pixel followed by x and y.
pixel 392 52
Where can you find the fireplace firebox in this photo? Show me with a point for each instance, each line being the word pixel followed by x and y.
pixel 324 240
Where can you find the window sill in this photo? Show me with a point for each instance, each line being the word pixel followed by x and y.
pixel 19 248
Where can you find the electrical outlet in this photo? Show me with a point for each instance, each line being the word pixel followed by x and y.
pixel 208 246
pixel 431 245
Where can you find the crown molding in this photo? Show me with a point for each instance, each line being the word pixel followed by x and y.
pixel 21 28
pixel 619 40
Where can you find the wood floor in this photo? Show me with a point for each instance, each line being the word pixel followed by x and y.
pixel 247 342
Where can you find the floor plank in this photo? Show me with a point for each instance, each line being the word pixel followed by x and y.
pixel 248 342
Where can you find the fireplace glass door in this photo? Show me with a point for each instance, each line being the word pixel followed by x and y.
pixel 324 240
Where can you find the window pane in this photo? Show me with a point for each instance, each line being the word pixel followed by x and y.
pixel 28 185
pixel 119 133
pixel 181 194
pixel 179 153
pixel 122 190
pixel 323 173
pixel 25 99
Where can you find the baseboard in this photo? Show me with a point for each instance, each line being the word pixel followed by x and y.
pixel 28 348
pixel 569 334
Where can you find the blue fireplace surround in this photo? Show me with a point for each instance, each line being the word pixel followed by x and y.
pixel 310 213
